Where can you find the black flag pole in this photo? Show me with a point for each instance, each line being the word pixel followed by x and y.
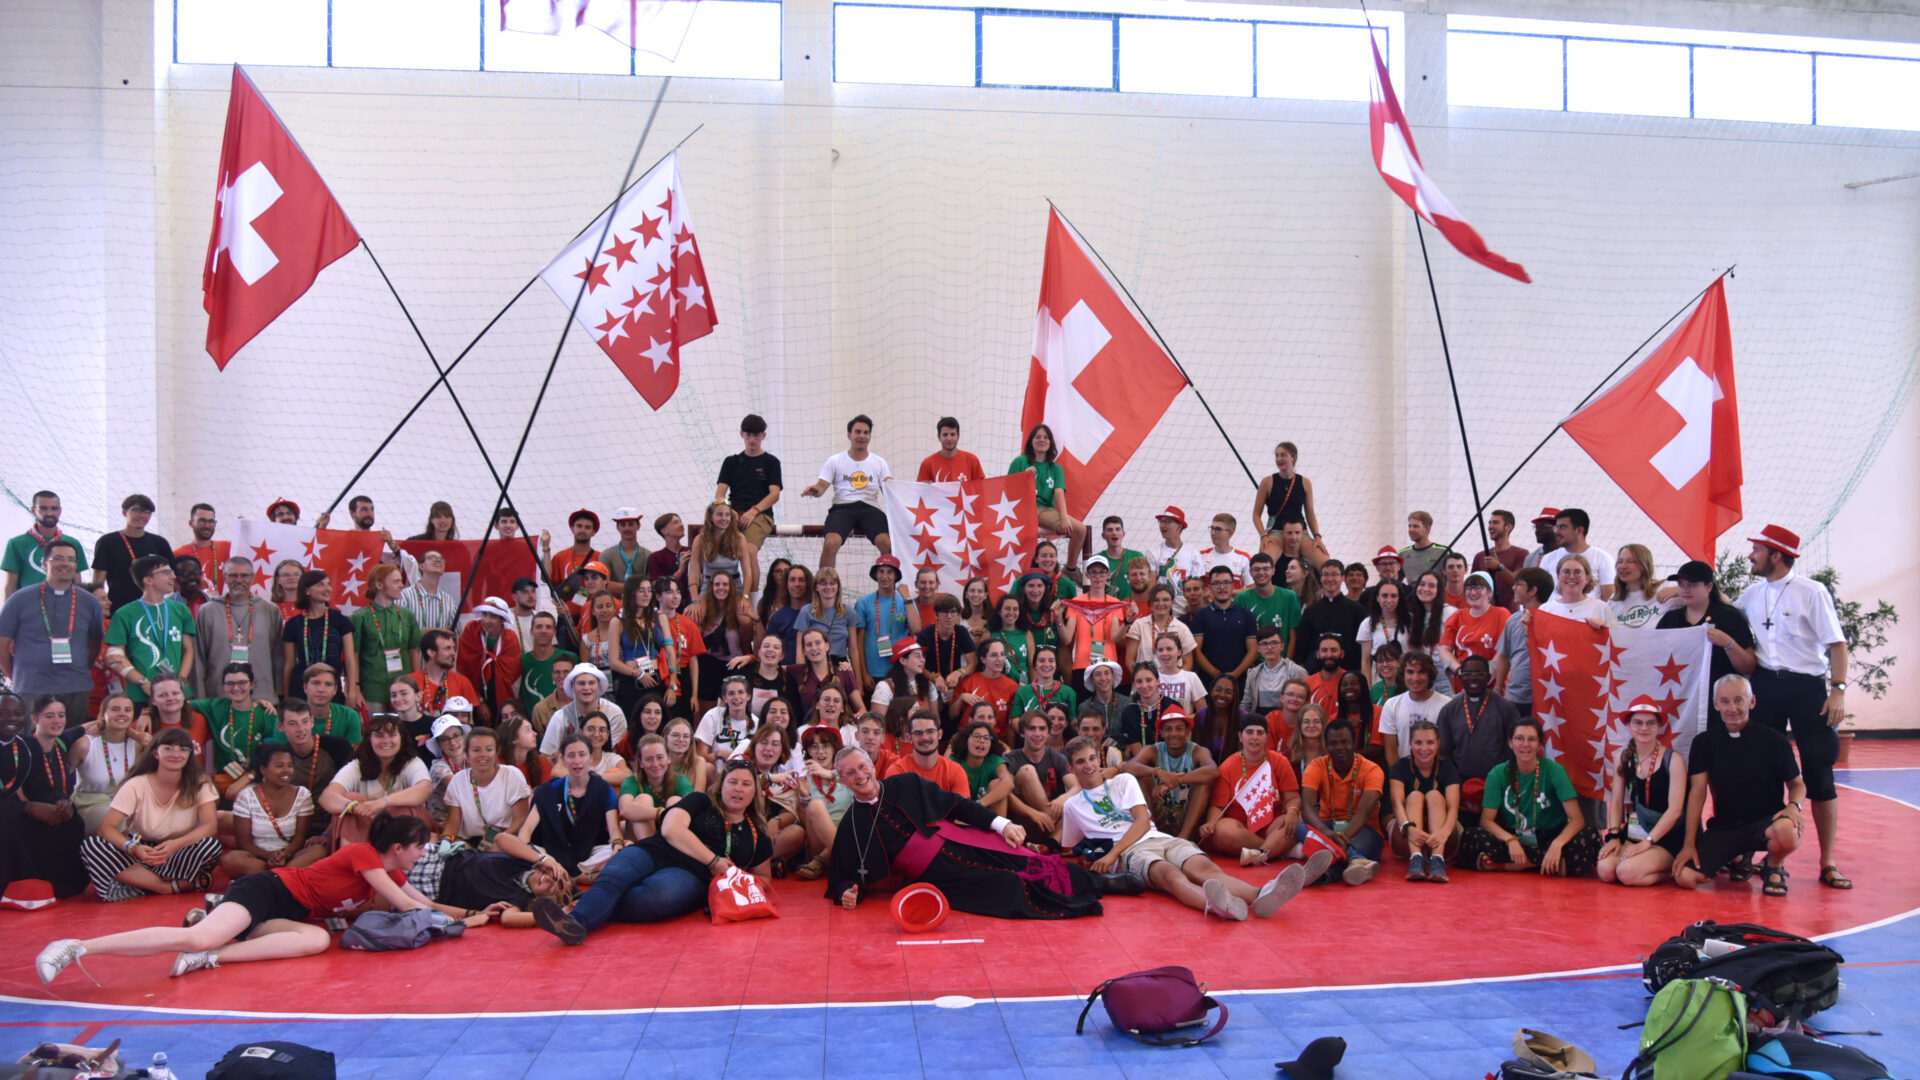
pixel 1601 385
pixel 573 311
pixel 1142 312
pixel 1459 414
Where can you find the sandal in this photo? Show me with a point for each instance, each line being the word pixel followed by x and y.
pixel 780 868
pixel 1741 869
pixel 811 871
pixel 1775 878
pixel 1832 878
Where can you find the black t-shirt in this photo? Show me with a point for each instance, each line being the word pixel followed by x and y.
pixel 1724 617
pixel 1748 773
pixel 780 686
pixel 945 657
pixel 113 554
pixel 749 845
pixel 748 478
pixel 475 879
pixel 1444 774
pixel 1052 767
pixel 571 837
pixel 314 645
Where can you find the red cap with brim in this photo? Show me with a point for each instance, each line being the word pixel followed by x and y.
pixel 920 907
pixel 1784 541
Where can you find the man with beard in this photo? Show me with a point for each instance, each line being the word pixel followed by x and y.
pixel 26 559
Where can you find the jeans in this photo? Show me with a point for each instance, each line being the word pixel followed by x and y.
pixel 1366 844
pixel 636 887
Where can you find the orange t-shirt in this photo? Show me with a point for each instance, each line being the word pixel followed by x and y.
pixel 946 772
pixel 566 562
pixel 1279 728
pixel 996 692
pixel 434 696
pixel 1324 690
pixel 1233 771
pixel 1339 796
pixel 1474 635
pixel 961 466
pixel 213 561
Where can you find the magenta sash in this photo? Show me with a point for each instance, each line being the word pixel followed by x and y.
pixel 1047 870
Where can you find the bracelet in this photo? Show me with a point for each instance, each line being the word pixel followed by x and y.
pixel 351 803
pixel 711 861
pixel 127 848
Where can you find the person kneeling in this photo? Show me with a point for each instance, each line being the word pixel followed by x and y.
pixel 1528 798
pixel 1757 789
pixel 1115 810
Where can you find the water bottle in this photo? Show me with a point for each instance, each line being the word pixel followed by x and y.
pixel 158 1070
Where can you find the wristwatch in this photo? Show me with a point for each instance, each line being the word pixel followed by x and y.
pixel 1841 685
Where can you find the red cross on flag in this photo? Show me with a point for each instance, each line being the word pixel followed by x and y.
pixel 1098 379
pixel 347 555
pixel 1669 433
pixel 646 290
pixel 1584 676
pixel 964 528
pixel 275 225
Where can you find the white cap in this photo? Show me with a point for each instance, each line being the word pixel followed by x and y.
pixel 441 727
pixel 626 513
pixel 493 605
pixel 459 704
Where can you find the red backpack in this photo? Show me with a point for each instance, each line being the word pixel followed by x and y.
pixel 1149 1004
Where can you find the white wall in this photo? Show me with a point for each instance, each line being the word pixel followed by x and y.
pixel 876 249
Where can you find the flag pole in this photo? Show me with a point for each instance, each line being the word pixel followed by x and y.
pixel 1541 445
pixel 1459 414
pixel 1142 312
pixel 422 400
pixel 572 312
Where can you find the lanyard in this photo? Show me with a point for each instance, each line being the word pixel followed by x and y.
pixel 306 645
pixel 164 629
pixel 73 605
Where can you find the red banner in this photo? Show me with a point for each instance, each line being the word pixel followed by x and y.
pixel 507 560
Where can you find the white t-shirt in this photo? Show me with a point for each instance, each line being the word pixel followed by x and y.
pixel 1588 607
pixel 1105 813
pixel 855 481
pixel 1400 711
pixel 349 780
pixel 1596 557
pixel 493 806
pixel 1639 611
pixel 262 821
pixel 1372 637
pixel 1236 561
pixel 1142 633
pixel 564 723
pixel 883 693
pixel 1184 687
pixel 721 735
pixel 1174 566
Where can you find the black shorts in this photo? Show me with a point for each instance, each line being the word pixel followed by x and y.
pixel 856 519
pixel 1718 847
pixel 1789 702
pixel 265 896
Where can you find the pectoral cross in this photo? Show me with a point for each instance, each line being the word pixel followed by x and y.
pixel 1768 623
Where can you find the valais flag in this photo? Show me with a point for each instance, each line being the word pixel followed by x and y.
pixel 965 529
pixel 275 225
pixel 647 289
pixel 1097 379
pixel 1669 433
pixel 347 555
pixel 1399 163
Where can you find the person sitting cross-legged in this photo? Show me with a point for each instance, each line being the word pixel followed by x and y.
pixel 1113 809
pixel 1340 802
pixel 1178 775
pixel 1256 802
pixel 1757 791
pixel 1532 818
pixel 1647 803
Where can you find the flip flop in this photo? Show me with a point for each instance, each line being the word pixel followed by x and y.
pixel 811 871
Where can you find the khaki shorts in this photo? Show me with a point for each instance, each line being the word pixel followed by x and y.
pixel 1141 856
pixel 757 530
pixel 1052 520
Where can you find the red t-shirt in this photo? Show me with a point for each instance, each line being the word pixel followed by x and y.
pixel 335 881
pixel 946 772
pixel 1233 771
pixel 1324 690
pixel 212 557
pixel 688 643
pixel 1474 635
pixel 961 466
pixel 996 692
pixel 566 562
pixel 433 695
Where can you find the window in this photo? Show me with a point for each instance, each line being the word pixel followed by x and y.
pixel 728 39
pixel 1328 63
pixel 415 34
pixel 927 46
pixel 1860 91
pixel 1748 84
pixel 1047 50
pixel 1506 71
pixel 1626 77
pixel 1186 56
pixel 247 32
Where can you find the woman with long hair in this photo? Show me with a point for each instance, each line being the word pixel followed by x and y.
pixel 159 835
pixel 1285 496
pixel 1219 719
pixel 778 712
pixel 104 761
pixel 1309 739
pixel 907 680
pixel 656 784
pixel 440 523
pixel 1034 593
pixel 817 669
pixel 668 595
pixel 385 775
pixel 649 716
pixel 1353 702
pixel 721 548
pixel 1646 803
pixel 776 765
pixel 44 776
pixel 1157 621
pixel 1386 622
pixel 977 607
pixel 600 631
pixel 603 760
pixel 1636 589
pixel 1424 790
pixel 1004 627
pixel 575 817
pixel 1531 819
pixel 1427 614
pixel 772 591
pixel 318 634
pixel 285 592
pixel 168 707
pixel 796 596
pixel 519 748
pixel 823 798
pixel 271 817
pixel 727 626
pixel 687 759
pixel 829 613
pixel 984 757
pixel 646 645
pixel 1039 455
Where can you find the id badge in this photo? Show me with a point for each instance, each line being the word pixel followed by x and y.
pixel 1635 830
pixel 62 650
pixel 1099 648
pixel 647 666
pixel 884 642
pixel 394 664
pixel 1528 838
pixel 239 654
pixel 1339 824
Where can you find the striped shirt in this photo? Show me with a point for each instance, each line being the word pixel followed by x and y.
pixel 434 610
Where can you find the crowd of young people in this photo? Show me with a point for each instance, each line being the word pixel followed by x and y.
pixel 625 736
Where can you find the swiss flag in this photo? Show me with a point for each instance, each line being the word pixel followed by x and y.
pixel 275 225
pixel 1399 163
pixel 1669 433
pixel 1097 378
pixel 646 292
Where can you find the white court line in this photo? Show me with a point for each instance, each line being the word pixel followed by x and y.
pixel 1876 768
pixel 946 941
pixel 927 1002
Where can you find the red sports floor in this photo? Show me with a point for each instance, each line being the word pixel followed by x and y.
pixel 1479 927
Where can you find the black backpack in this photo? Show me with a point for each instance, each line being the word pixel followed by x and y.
pixel 274 1061
pixel 1803 1057
pixel 1785 977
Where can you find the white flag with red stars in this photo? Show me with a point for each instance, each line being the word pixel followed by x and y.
pixel 646 289
pixel 965 529
pixel 1584 677
pixel 347 555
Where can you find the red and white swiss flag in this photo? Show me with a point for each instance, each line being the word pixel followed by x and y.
pixel 275 225
pixel 1098 379
pixel 1669 433
pixel 1399 163
pixel 347 556
pixel 647 289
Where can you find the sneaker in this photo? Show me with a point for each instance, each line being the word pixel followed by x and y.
pixel 55 957
pixel 1436 869
pixel 1417 866
pixel 551 917
pixel 189 962
pixel 1253 856
pixel 193 917
pixel 1317 865
pixel 1220 901
pixel 213 899
pixel 1359 871
pixel 1285 886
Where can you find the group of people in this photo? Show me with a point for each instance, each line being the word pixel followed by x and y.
pixel 596 747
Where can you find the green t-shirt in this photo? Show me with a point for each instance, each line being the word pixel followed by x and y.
pixel 234 739
pixel 1048 478
pixel 1117 586
pixel 27 558
pixel 1017 658
pixel 1378 692
pixel 374 632
pixel 340 721
pixel 1282 609
pixel 1064 588
pixel 1546 790
pixel 632 786
pixel 1026 698
pixel 979 776
pixel 536 677
pixel 153 636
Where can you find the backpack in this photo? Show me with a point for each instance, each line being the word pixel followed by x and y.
pixel 274 1061
pixel 1149 1004
pixel 1804 1057
pixel 1786 978
pixel 1696 1030
pixel 1678 956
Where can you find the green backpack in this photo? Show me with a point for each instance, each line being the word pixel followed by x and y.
pixel 1696 1030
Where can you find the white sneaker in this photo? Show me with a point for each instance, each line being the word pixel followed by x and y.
pixel 55 957
pixel 1317 864
pixel 1222 902
pixel 1359 871
pixel 1285 886
pixel 1253 856
pixel 189 962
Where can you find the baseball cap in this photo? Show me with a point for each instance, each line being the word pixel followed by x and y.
pixel 1693 570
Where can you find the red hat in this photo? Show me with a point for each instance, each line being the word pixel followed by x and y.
pixel 1780 540
pixel 884 560
pixel 583 512
pixel 920 907
pixel 1172 513
pixel 28 894
pixel 278 503
pixel 1387 552
pixel 904 646
pixel 1645 703
pixel 1547 514
pixel 1171 711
